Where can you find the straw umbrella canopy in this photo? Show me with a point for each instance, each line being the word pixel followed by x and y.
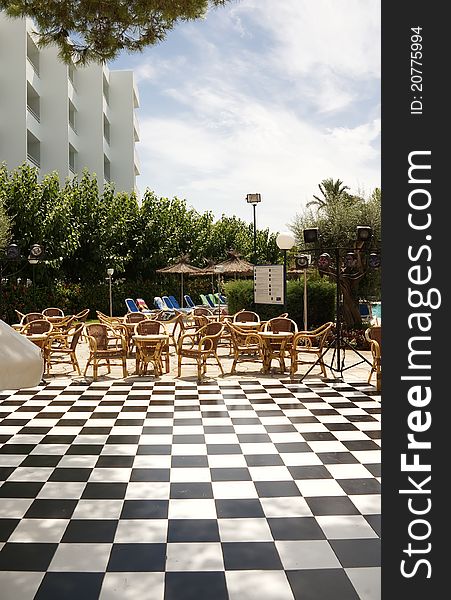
pixel 181 267
pixel 234 265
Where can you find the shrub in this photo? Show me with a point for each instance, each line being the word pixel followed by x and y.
pixel 320 294
pixel 74 297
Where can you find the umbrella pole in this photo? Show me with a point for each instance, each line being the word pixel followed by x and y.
pixel 181 293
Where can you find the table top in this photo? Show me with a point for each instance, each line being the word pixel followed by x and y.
pixel 150 337
pixel 37 337
pixel 246 323
pixel 273 334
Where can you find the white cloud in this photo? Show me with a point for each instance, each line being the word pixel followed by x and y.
pixel 269 97
pixel 342 34
pixel 275 154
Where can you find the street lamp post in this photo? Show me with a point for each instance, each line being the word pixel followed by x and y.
pixel 110 274
pixel 285 241
pixel 302 262
pixel 36 254
pixel 254 199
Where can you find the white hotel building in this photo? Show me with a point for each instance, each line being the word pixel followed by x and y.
pixel 61 118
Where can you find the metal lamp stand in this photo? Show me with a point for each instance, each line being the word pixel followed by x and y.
pixel 339 344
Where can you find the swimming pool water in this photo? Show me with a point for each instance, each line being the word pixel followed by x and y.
pixel 376 310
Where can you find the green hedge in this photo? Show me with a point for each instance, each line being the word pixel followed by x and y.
pixel 74 297
pixel 320 295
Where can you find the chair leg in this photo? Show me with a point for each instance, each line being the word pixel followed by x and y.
pixel 322 365
pixel 124 367
pixel 87 366
pixel 219 363
pixel 199 370
pixel 294 363
pixel 95 368
pixel 75 364
pixel 179 366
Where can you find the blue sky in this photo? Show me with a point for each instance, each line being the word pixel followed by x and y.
pixel 262 96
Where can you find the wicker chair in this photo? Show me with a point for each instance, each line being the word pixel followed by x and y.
pixel 246 345
pixel 310 342
pixel 174 325
pixel 19 314
pixel 82 316
pixel 62 324
pixel 374 337
pixel 244 316
pixel 37 327
pixel 61 348
pixel 201 346
pixel 53 312
pixel 105 344
pixel 33 316
pixel 202 311
pixel 107 320
pixel 41 328
pixel 149 354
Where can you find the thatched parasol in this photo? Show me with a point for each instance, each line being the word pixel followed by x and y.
pixel 181 267
pixel 234 265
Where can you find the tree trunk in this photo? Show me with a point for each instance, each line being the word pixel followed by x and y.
pixel 351 312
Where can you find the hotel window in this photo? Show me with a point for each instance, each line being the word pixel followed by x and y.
pixel 33 102
pixel 32 54
pixel 33 149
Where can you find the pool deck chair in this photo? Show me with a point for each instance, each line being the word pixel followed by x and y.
pixel 161 304
pixel 168 302
pixel 188 301
pixel 174 301
pixel 220 298
pixel 177 306
pixel 206 301
pixel 212 298
pixel 131 305
pixel 365 311
pixel 141 304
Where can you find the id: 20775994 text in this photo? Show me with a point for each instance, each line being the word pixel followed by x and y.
pixel 416 70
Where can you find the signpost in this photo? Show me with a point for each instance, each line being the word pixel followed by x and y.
pixel 269 284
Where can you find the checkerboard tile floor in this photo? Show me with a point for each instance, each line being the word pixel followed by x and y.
pixel 239 490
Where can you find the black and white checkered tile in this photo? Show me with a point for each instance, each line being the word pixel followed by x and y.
pixel 244 490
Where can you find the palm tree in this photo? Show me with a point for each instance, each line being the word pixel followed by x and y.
pixel 332 192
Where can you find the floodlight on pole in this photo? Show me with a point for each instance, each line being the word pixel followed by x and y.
pixel 344 268
pixel 110 274
pixel 254 199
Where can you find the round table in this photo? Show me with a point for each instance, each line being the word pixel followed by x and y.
pixel 157 341
pixel 255 325
pixel 273 346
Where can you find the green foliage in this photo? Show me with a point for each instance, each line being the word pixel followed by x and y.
pixel 84 232
pixel 5 226
pixel 73 297
pixel 320 296
pixel 100 30
pixel 337 218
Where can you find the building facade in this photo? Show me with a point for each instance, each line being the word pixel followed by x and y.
pixel 62 118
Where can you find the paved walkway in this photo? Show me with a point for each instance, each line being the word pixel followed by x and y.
pixel 249 487
pixel 356 368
